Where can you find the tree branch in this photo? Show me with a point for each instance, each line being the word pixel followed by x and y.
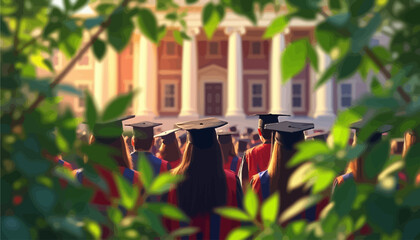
pixel 69 66
pixel 380 65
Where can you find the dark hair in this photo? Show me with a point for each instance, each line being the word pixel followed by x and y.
pixel 121 156
pixel 170 152
pixel 266 134
pixel 228 149
pixel 142 144
pixel 204 187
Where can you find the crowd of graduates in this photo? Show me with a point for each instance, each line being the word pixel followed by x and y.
pixel 218 165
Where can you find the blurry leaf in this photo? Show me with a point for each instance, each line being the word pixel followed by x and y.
pixel 67 4
pixel 93 228
pixel 411 229
pixel 101 154
pixel 161 32
pixel 120 29
pixel 191 1
pixel 211 18
pixel 117 107
pixel 185 36
pixel 186 231
pixel 339 20
pixel 312 55
pixel 326 36
pixel 233 213
pixel 69 225
pixel 307 150
pixel 362 36
pixel 105 8
pixel 242 232
pixel 163 182
pixel 276 26
pixel 361 7
pixel 43 198
pixel 177 36
pixel 348 65
pixel 340 130
pixel 93 22
pixel 301 175
pixel 324 179
pixel 70 38
pixel 146 170
pixel 79 4
pixel 28 161
pixel 251 203
pixel 344 196
pixel 128 193
pixel 115 215
pixel 382 212
pixel 412 198
pixel 412 162
pixel 244 8
pixel 355 151
pixel 38 60
pixel 376 87
pixel 270 209
pixel 334 4
pixel 4 28
pixel 99 49
pixel 49 65
pixel 13 228
pixel 148 24
pixel 298 206
pixel 152 220
pixel 171 16
pixel 293 59
pixel 376 158
pixel 62 144
pixel 168 210
pixel 90 113
pixel 411 15
pixel 380 102
pixel 326 75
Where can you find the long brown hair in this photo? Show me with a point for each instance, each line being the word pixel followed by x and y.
pixel 410 138
pixel 170 152
pixel 228 149
pixel 123 158
pixel 204 187
pixel 282 151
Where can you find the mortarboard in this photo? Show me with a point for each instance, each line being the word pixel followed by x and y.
pixel 183 138
pixel 264 119
pixel 202 132
pixel 243 144
pixel 249 130
pixel 224 136
pixel 318 136
pixel 376 135
pixel 168 136
pixel 143 130
pixel 289 133
pixel 110 129
pixel 233 128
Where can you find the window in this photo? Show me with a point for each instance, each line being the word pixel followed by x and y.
pixel 56 59
pixel 257 95
pixel 298 101
pixel 170 48
pixel 169 93
pixel 345 93
pixel 213 49
pixel 84 62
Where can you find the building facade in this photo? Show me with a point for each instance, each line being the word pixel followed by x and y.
pixel 232 76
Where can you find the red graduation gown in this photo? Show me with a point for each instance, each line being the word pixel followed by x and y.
pixel 63 163
pixel 233 164
pixel 212 226
pixel 158 165
pixel 257 158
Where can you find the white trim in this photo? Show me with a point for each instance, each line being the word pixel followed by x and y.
pixel 263 95
pixel 256 72
pixel 77 84
pixel 170 72
pixel 90 62
pixel 163 83
pixel 353 94
pixel 302 93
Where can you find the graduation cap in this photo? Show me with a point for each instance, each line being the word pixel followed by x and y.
pixel 168 136
pixel 202 132
pixel 264 119
pixel 225 137
pixel 183 138
pixel 233 128
pixel 109 129
pixel 143 130
pixel 289 133
pixel 249 130
pixel 318 136
pixel 376 135
pixel 243 144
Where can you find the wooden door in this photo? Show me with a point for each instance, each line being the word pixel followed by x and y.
pixel 213 99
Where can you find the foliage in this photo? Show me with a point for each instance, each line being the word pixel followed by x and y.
pixel 35 203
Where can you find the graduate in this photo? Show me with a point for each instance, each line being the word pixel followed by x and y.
pixel 207 185
pixel 255 140
pixel 143 142
pixel 256 159
pixel 410 138
pixel 182 142
pixel 276 178
pixel 169 149
pixel 322 136
pixel 231 160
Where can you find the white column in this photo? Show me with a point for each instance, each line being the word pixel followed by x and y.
pixel 235 72
pixel 189 76
pixel 112 71
pixel 324 95
pixel 98 83
pixel 280 94
pixel 146 105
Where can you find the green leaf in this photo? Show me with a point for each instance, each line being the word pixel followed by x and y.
pixel 148 24
pixel 251 203
pixel 115 215
pixel 327 75
pixel 4 28
pixel 362 36
pixel 79 4
pixel 105 9
pixel 344 196
pixel 411 229
pixel 93 228
pixel 340 130
pixel 270 209
pixel 412 198
pixel 276 26
pixel 146 170
pixel 128 193
pixel 411 15
pixel 376 87
pixel 152 220
pixel 120 29
pixel 163 183
pixel 334 4
pixel 67 4
pixel 412 161
pixel 13 228
pixel 93 22
pixel 117 107
pixel 172 16
pixel 376 159
pixel 382 212
pixel 168 210
pixel 43 198
pixel 191 1
pixel 349 65
pixel 326 36
pixel 101 154
pixel 312 55
pixel 177 36
pixel 90 113
pixel 161 32
pixel 233 213
pixel 99 49
pixel 211 18
pixel 308 150
pixel 242 232
pixel 324 179
pixel 293 59
pixel 361 7
pixel 70 38
pixel 186 231
pixel 244 8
